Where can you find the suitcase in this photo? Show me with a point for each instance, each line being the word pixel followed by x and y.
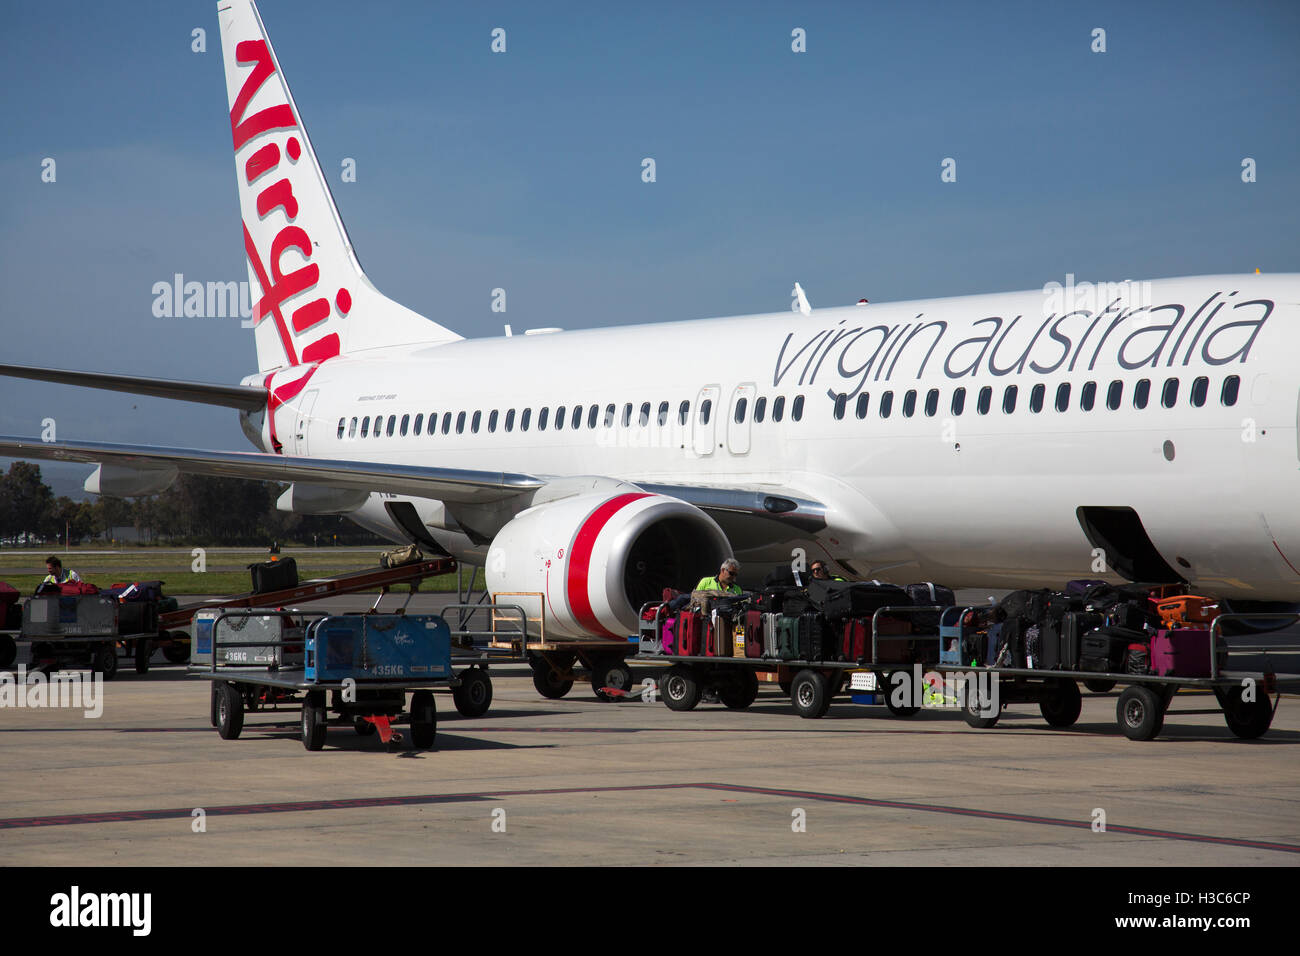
pixel 1079 588
pixel 1030 605
pixel 1181 652
pixel 1186 611
pixel 9 595
pixel 274 575
pixel 1033 646
pixel 1061 639
pixel 1128 614
pixel 856 640
pixel 136 590
pixel 1102 650
pixel 813 642
pixel 928 593
pixel 137 617
pixel 770 622
pixel 754 633
pixel 720 636
pixel 838 600
pixel 668 635
pixel 1138 660
pixel 691 627
pixel 1013 634
pixel 771 600
pixel 787 637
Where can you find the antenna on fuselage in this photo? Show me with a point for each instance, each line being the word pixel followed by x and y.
pixel 800 303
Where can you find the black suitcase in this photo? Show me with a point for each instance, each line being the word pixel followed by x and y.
pixel 1103 649
pixel 1061 639
pixel 815 639
pixel 928 594
pixel 838 600
pixel 1013 638
pixel 1129 614
pixel 274 575
pixel 1030 605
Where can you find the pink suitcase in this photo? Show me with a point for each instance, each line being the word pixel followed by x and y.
pixel 1184 652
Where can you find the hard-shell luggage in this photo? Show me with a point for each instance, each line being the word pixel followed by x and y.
pixel 1187 610
pixel 1182 652
pixel 274 575
pixel 720 641
pixel 838 600
pixel 814 642
pixel 691 627
pixel 856 640
pixel 8 594
pixel 753 633
pixel 787 637
pixel 1103 649
pixel 1061 639
pixel 770 622
pixel 668 635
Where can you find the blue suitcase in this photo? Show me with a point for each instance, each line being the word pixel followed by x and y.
pixel 378 647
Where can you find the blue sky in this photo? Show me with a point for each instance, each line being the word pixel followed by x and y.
pixel 522 170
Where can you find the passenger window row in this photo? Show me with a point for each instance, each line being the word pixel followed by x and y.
pixel 1199 394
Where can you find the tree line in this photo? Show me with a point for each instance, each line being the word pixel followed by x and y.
pixel 196 509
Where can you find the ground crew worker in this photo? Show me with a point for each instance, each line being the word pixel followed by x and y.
pixel 725 580
pixel 820 572
pixel 55 573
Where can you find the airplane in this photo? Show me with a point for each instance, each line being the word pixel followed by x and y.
pixel 1144 432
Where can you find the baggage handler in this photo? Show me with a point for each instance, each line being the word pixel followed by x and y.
pixel 820 572
pixel 55 573
pixel 725 579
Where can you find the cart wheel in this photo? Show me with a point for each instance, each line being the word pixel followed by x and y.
pixel 143 651
pixel 313 721
pixel 474 695
pixel 610 673
pixel 424 719
pixel 230 711
pixel 178 651
pixel 1099 686
pixel 8 650
pixel 1140 713
pixel 104 660
pixel 808 694
pixel 741 691
pixel 1063 703
pixel 548 683
pixel 212 705
pixel 1247 719
pixel 680 687
pixel 363 727
pixel 975 710
pixel 898 710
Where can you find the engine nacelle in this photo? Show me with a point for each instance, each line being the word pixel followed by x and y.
pixel 597 558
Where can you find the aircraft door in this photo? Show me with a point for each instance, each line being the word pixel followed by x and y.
pixel 302 421
pixel 738 418
pixel 704 420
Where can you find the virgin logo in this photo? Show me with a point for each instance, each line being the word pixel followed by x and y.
pixel 277 194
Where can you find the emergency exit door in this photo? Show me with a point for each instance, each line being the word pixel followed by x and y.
pixel 302 419
pixel 704 428
pixel 739 414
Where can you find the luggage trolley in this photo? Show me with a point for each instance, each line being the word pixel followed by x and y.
pixel 359 667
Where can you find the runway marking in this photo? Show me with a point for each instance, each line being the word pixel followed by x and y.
pixel 307 806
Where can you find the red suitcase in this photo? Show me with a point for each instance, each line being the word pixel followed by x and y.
pixel 753 633
pixel 691 628
pixel 857 639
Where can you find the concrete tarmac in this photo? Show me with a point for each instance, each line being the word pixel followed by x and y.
pixel 578 781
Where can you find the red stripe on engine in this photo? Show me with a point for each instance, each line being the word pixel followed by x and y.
pixel 584 543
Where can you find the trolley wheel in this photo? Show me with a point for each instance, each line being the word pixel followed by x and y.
pixel 424 719
pixel 1247 719
pixel 549 683
pixel 680 687
pixel 314 716
pixel 230 711
pixel 809 694
pixel 741 691
pixel 178 651
pixel 610 672
pixel 1140 712
pixel 8 650
pixel 974 711
pixel 1099 686
pixel 898 710
pixel 104 660
pixel 363 727
pixel 143 651
pixel 1063 703
pixel 474 695
pixel 212 704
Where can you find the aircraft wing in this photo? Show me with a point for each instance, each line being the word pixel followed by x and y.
pixel 244 397
pixel 457 485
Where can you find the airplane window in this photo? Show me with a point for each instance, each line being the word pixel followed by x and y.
pixel 475 421
pixel 706 409
pixel 778 408
pixel 684 413
pixel 1063 397
pixel 593 416
pixel 392 425
pixel 460 423
pixel 343 424
pixel 760 409
pixel 1200 391
pixel 644 419
pixel 931 402
pixel 985 400
pixel 1114 394
pixel 958 401
pixel 1169 394
pixel 886 404
pixel 352 428
pixel 524 418
pixel 863 401
pixel 796 408
pixel 1088 396
pixel 510 420
pixel 406 424
pixel 365 430
pixel 1141 392
pixel 841 402
pixel 446 422
pixel 492 420
pixel 559 418
pixel 909 403
pixel 577 417
pixel 627 416
pixel 1231 385
pixel 419 422
pixel 1009 399
pixel 543 413
pixel 741 407
pixel 1036 398
pixel 663 414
